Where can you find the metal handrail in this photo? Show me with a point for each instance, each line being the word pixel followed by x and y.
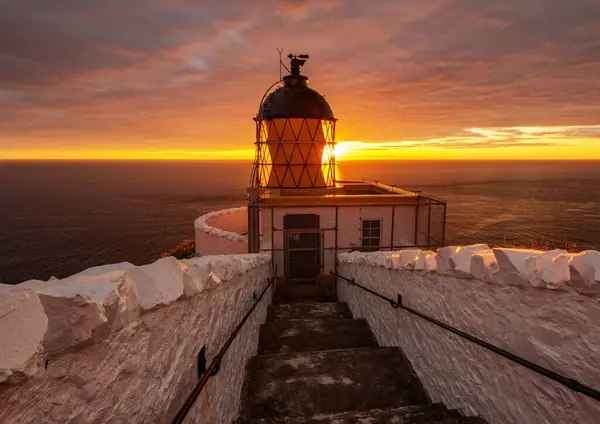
pixel 214 366
pixel 565 381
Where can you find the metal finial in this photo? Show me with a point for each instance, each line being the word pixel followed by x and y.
pixel 296 62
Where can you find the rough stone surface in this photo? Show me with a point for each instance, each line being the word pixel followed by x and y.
pixel 512 266
pixel 421 414
pixel 310 383
pixel 316 310
pixel 405 259
pixel 443 257
pixel 110 270
pixel 585 272
pixel 333 372
pixel 549 270
pixel 158 283
pixel 23 325
pixel 556 329
pixel 460 261
pixel 484 265
pixel 83 307
pixel 554 270
pixel 125 350
pixel 298 335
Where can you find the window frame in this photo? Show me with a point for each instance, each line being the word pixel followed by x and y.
pixel 373 241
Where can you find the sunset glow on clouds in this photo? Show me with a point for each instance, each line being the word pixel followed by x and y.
pixel 149 79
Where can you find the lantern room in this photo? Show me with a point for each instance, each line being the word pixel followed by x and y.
pixel 295 135
pixel 302 213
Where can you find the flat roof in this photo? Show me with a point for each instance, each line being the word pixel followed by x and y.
pixel 345 192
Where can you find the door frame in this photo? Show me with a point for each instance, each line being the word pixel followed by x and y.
pixel 287 232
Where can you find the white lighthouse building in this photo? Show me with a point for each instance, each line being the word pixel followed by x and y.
pixel 300 212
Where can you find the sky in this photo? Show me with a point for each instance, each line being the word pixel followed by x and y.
pixel 407 79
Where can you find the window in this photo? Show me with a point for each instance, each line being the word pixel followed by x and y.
pixel 371 235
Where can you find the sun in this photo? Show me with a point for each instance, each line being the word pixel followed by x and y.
pixel 342 148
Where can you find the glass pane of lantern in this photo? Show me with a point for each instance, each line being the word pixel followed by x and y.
pixel 315 173
pixel 327 155
pixel 288 179
pixel 265 172
pixel 305 180
pixel 310 154
pixel 289 148
pixel 264 130
pixel 305 149
pixel 327 129
pixel 297 125
pixel 277 175
pixel 277 153
pixel 265 167
pixel 276 130
pixel 314 125
pixel 296 172
pixel 265 156
pixel 326 174
pixel 296 157
pixel 287 134
pixel 316 155
pixel 304 134
pixel 319 134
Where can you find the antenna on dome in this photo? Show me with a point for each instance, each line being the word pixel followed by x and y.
pixel 281 64
pixel 279 51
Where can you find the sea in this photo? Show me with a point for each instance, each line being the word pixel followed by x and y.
pixel 58 218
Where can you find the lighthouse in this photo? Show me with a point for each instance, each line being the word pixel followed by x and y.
pixel 300 212
pixel 295 136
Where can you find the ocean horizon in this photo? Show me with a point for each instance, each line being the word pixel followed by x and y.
pixel 60 217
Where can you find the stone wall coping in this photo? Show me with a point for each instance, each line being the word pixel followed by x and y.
pixel 39 319
pixel 202 225
pixel 554 270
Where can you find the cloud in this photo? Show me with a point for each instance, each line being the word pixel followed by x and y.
pixel 152 73
pixel 478 138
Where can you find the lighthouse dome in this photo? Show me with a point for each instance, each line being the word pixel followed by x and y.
pixel 295 99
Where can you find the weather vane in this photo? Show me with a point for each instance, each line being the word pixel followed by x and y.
pixel 296 62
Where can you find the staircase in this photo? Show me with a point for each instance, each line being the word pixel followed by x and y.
pixel 316 364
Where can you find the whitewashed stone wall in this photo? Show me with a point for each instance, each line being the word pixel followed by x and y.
pixel 119 343
pixel 543 307
pixel 221 232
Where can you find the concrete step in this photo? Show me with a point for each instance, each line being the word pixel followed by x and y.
pixel 303 384
pixel 294 293
pixel 299 335
pixel 421 414
pixel 304 298
pixel 325 310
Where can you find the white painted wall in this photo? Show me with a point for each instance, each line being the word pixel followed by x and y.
pixel 350 228
pixel 119 343
pixel 231 220
pixel 222 232
pixel 541 306
pixel 209 244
